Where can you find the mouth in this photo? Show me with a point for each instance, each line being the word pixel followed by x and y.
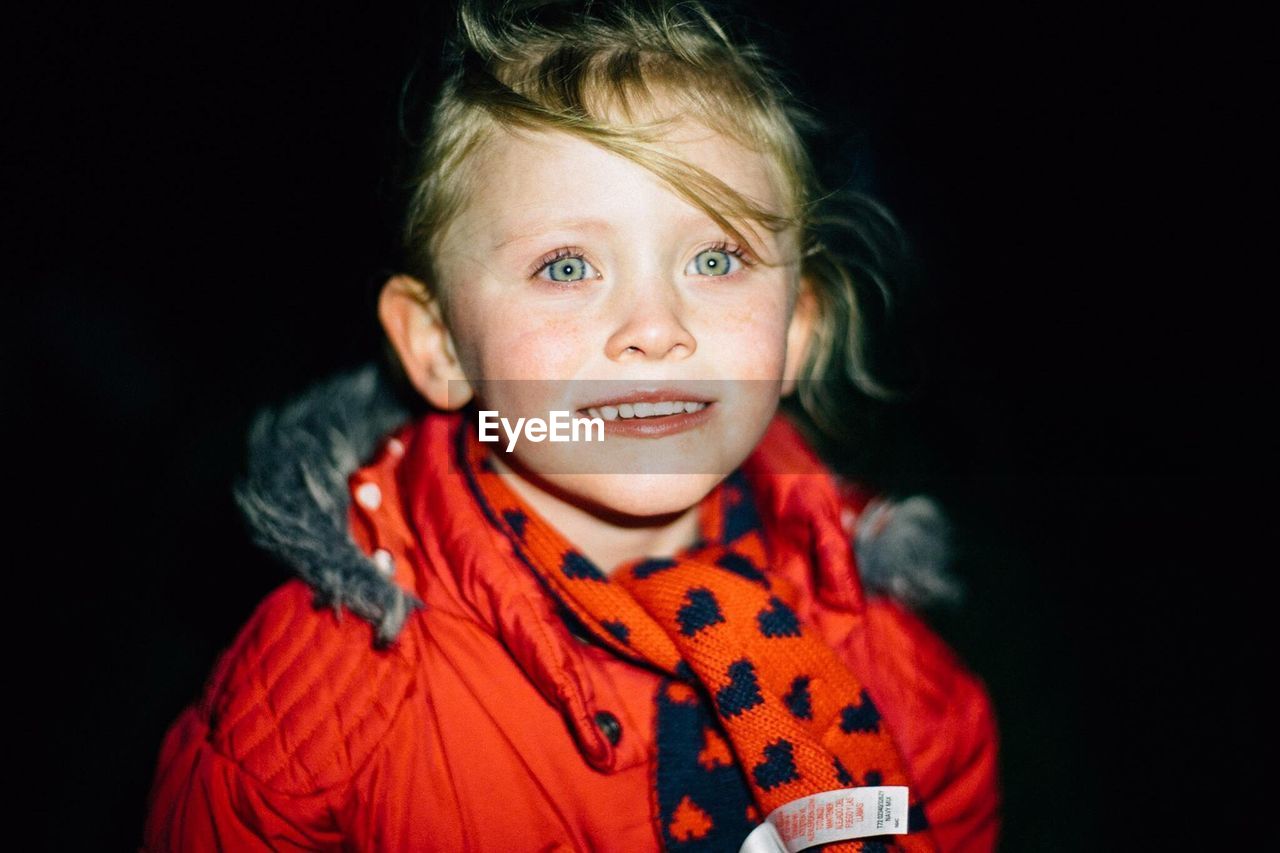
pixel 645 405
pixel 650 414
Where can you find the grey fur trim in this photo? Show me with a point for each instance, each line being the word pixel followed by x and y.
pixel 295 496
pixel 295 499
pixel 903 550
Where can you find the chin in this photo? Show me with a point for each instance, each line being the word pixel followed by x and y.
pixel 641 495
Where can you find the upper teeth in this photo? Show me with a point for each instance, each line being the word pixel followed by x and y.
pixel 644 410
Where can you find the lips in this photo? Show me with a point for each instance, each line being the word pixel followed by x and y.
pixel 643 405
pixel 651 413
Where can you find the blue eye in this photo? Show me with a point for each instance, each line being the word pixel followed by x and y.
pixel 717 261
pixel 712 262
pixel 565 267
pixel 568 269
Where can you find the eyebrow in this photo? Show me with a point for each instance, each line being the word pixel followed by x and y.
pixel 531 230
pixel 528 231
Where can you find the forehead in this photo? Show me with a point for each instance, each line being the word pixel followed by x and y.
pixel 526 177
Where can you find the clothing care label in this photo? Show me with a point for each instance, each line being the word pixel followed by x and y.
pixel 830 816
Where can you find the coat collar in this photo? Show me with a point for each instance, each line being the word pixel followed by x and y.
pixel 296 499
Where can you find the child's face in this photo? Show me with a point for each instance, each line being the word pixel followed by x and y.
pixel 638 307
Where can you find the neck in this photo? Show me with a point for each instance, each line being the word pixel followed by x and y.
pixel 607 539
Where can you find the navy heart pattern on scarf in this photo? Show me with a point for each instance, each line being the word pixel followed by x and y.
pixel 779 765
pixel 653 565
pixel 778 620
pixel 740 565
pixel 860 717
pixel 798 699
pixel 742 692
pixel 579 567
pixel 700 610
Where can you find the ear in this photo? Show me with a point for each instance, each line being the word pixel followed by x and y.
pixel 804 317
pixel 412 320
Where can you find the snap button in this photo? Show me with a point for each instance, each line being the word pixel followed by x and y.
pixel 369 495
pixel 610 726
pixel 385 562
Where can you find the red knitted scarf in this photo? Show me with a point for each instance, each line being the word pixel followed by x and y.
pixel 727 633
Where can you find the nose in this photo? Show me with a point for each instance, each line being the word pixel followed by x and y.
pixel 650 327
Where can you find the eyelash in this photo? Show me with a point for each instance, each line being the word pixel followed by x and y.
pixel 574 252
pixel 731 249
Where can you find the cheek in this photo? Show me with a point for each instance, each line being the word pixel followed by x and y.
pixel 498 341
pixel 751 333
pixel 515 348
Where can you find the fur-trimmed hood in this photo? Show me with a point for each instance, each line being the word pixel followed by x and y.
pixel 295 498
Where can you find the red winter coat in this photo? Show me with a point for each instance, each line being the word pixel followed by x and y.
pixel 476 730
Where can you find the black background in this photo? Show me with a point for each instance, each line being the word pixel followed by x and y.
pixel 203 215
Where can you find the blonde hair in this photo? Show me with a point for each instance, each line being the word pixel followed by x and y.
pixel 569 66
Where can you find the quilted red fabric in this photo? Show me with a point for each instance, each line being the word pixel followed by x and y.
pixel 488 725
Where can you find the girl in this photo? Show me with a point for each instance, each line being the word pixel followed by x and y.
pixel 659 641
